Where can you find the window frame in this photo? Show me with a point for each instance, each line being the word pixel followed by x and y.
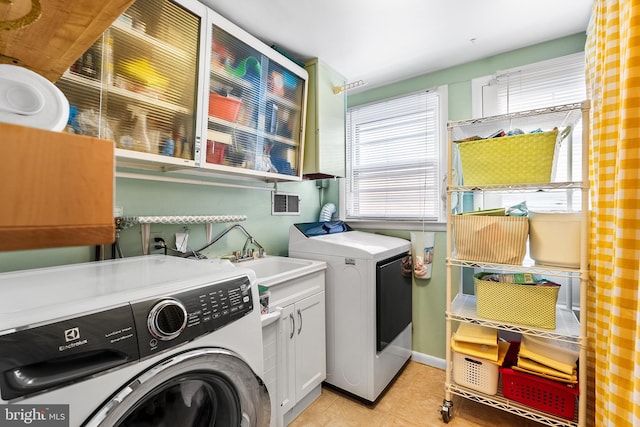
pixel 438 224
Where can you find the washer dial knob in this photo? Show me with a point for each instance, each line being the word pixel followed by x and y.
pixel 167 319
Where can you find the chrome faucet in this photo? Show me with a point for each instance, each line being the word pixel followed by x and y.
pixel 245 253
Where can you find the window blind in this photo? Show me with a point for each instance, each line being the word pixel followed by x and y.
pixel 543 84
pixel 393 159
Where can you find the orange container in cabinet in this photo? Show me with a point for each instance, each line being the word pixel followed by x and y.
pixel 224 107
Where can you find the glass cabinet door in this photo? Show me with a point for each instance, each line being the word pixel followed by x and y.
pixel 138 84
pixel 255 108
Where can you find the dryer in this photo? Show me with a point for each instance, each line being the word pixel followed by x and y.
pixel 144 341
pixel 368 303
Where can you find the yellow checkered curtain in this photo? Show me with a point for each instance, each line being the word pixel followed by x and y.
pixel 613 80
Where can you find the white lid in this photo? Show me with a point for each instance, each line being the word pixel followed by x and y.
pixel 28 99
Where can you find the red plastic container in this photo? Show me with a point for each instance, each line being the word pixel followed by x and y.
pixel 215 152
pixel 549 396
pixel 224 107
pixel 554 397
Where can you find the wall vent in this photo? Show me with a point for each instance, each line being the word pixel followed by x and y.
pixel 285 204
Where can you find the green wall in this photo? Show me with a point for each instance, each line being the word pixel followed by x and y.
pixel 141 197
pixel 429 296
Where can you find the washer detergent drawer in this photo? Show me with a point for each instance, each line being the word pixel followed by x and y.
pixel 59 353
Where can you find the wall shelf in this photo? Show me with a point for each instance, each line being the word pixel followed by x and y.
pixel 146 221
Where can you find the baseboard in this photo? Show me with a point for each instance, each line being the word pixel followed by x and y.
pixel 429 360
pixel 303 404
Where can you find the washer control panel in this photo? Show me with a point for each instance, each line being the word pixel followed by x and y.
pixel 171 320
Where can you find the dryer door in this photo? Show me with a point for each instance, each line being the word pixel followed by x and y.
pixel 205 387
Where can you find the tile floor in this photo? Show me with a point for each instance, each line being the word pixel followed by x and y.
pixel 414 400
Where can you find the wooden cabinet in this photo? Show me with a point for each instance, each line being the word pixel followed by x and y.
pixel 69 29
pixel 58 189
pixel 324 154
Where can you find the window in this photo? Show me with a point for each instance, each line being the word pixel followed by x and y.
pixel 394 159
pixel 543 84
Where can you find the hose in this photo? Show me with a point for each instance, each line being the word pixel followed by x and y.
pixel 327 212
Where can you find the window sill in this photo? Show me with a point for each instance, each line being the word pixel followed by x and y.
pixel 359 224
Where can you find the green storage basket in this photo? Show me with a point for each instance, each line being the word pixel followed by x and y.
pixel 528 305
pixel 517 159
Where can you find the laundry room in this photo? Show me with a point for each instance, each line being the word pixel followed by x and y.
pixel 331 182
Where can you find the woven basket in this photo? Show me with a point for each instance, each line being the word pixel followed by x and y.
pixel 518 159
pixel 498 239
pixel 529 305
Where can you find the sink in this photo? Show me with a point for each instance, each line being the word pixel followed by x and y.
pixel 272 270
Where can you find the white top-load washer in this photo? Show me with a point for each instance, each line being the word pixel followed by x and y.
pixel 153 340
pixel 368 303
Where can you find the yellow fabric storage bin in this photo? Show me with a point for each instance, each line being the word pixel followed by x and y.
pixel 517 159
pixel 528 305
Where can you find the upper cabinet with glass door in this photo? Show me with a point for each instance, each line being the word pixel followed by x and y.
pixel 177 86
pixel 256 106
pixel 139 84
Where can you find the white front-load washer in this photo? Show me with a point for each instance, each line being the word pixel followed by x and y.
pixel 145 341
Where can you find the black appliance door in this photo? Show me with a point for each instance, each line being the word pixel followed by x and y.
pixel 393 299
pixel 207 387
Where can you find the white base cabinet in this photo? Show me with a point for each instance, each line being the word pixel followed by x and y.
pixel 303 360
pixel 300 349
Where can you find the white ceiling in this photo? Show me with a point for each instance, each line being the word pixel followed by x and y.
pixel 381 42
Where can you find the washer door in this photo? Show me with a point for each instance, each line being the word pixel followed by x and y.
pixel 204 388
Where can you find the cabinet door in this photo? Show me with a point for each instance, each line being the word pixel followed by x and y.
pixel 256 104
pixel 311 367
pixel 286 360
pixel 324 152
pixel 139 84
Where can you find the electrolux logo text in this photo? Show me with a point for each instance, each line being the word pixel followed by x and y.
pixel 72 336
pixel 34 415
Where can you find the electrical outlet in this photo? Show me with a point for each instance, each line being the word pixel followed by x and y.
pixel 156 242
